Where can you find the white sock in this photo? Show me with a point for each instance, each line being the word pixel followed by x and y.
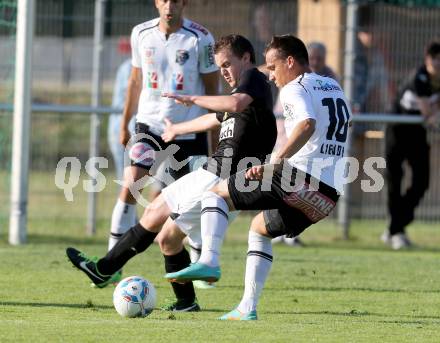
pixel 123 218
pixel 214 222
pixel 258 264
pixel 194 251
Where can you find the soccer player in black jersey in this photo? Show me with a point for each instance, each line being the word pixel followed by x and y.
pixel 247 136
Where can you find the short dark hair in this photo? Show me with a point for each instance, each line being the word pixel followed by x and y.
pixel 432 49
pixel 239 45
pixel 289 45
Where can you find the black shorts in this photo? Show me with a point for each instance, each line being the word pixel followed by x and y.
pixel 291 200
pixel 149 150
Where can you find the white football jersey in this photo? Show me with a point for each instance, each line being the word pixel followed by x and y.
pixel 170 65
pixel 322 99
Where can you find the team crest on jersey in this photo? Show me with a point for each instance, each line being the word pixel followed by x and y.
pixel 152 80
pixel 182 56
pixel 177 83
pixel 227 130
pixel 199 28
pixel 149 55
pixel 288 111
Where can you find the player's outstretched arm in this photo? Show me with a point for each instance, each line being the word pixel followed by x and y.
pixel 219 103
pixel 301 133
pixel 206 122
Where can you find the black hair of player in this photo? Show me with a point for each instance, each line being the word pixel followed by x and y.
pixel 432 49
pixel 289 45
pixel 237 44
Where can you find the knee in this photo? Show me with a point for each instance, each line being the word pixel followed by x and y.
pixel 258 225
pixel 133 174
pixel 169 245
pixel 162 240
pixel 155 214
pixel 221 191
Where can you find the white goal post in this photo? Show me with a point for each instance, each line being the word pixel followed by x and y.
pixel 21 122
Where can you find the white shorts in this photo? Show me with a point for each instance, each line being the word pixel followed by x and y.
pixel 184 196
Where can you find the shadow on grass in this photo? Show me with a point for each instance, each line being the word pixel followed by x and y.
pixel 423 319
pixel 67 240
pixel 39 304
pixel 357 313
pixel 360 245
pixel 339 289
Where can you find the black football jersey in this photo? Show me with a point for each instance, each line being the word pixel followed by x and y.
pixel 249 134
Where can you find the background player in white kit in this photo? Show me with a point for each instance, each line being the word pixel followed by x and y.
pixel 169 54
pixel 299 189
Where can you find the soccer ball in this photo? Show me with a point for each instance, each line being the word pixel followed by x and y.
pixel 134 297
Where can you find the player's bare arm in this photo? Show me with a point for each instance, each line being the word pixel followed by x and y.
pixel 299 136
pixel 134 88
pixel 223 103
pixel 206 122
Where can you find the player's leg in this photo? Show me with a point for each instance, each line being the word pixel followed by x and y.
pixel 142 156
pixel 214 219
pixel 258 265
pixel 395 156
pixel 124 212
pixel 418 160
pixel 176 257
pixel 233 193
pixel 136 240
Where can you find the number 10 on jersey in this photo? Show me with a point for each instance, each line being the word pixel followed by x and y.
pixel 339 116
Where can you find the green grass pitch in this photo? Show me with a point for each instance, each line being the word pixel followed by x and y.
pixel 330 291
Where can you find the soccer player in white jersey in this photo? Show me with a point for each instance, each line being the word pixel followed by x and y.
pixel 169 54
pixel 298 189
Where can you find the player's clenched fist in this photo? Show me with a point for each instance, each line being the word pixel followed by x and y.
pixel 255 173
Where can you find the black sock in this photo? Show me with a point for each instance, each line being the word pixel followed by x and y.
pixel 134 241
pixel 174 263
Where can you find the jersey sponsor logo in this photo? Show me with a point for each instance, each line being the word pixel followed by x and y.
pixel 209 56
pixel 177 82
pixel 326 86
pixel 149 55
pixel 199 28
pixel 152 80
pixel 227 130
pixel 312 203
pixel 182 56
